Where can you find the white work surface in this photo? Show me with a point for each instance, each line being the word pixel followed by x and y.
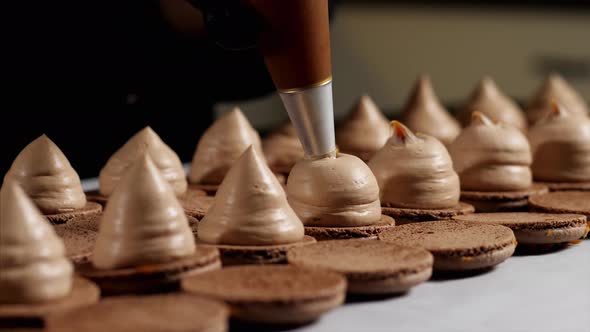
pixel 540 293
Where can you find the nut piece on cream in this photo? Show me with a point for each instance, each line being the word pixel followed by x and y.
pixel 145 141
pixel 335 191
pixel 415 171
pixel 45 174
pixel 33 265
pixel 490 101
pixel 282 148
pixel 423 113
pixel 492 157
pixel 250 208
pixel 221 145
pixel 364 131
pixel 560 143
pixel 555 89
pixel 143 222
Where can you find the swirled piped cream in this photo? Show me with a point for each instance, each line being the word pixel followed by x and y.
pixel 143 222
pixel 492 157
pixel 250 208
pixel 338 190
pixel 555 89
pixel 33 265
pixel 415 171
pixel 364 131
pixel 46 175
pixel 424 113
pixel 220 146
pixel 145 141
pixel 560 144
pixel 490 101
pixel 282 148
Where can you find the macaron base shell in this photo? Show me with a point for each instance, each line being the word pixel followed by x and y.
pixel 577 202
pixel 195 204
pixel 91 209
pixel 170 312
pixel 341 233
pixel 96 197
pixel 83 293
pixel 271 294
pixel 78 241
pixel 502 201
pixel 456 245
pixel 558 186
pixel 535 228
pixel 405 216
pixel 256 255
pixel 370 267
pixel 151 278
pixel 210 189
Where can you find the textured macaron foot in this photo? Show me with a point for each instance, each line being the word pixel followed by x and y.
pixel 343 233
pixel 96 197
pixel 271 294
pixel 455 245
pixel 535 228
pixel 261 254
pixel 370 267
pixel 79 242
pixel 169 312
pixel 502 201
pixel 577 202
pixel 405 216
pixel 154 278
pixel 91 209
pixel 83 293
pixel 196 204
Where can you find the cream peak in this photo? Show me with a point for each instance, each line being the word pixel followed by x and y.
pixel 402 134
pixel 478 119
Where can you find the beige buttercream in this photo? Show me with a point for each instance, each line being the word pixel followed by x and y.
pixel 492 157
pixel 493 103
pixel 33 266
pixel 415 171
pixel 47 177
pixel 145 141
pixel 423 113
pixel 560 144
pixel 364 131
pixel 143 222
pixel 250 208
pixel 221 145
pixel 282 148
pixel 337 190
pixel 555 89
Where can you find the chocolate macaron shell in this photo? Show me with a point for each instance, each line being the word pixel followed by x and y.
pixel 535 228
pixel 457 246
pixel 342 233
pixel 558 186
pixel 271 294
pixel 407 215
pixel 78 242
pixel 502 201
pixel 83 293
pixel 151 278
pixel 371 267
pixel 256 254
pixel 195 204
pixel 91 209
pixel 577 202
pixel 169 313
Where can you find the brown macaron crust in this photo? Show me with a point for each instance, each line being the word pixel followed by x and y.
pixel 577 202
pixel 271 294
pixel 409 215
pixel 535 228
pixel 168 313
pixel 457 246
pixel 78 242
pixel 370 267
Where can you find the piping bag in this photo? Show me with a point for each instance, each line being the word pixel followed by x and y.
pixel 295 43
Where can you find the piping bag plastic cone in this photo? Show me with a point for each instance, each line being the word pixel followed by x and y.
pixel 295 42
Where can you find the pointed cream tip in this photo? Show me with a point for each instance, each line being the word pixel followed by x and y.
pixel 556 109
pixel 401 132
pixel 478 118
